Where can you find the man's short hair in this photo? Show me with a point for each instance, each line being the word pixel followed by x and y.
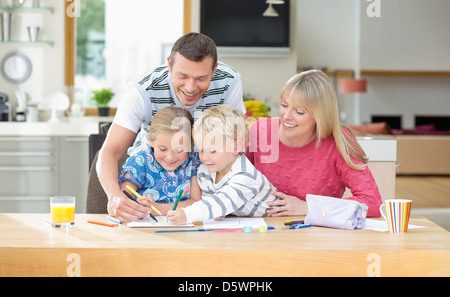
pixel 195 47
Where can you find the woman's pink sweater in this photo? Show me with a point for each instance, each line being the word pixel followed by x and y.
pixel 298 171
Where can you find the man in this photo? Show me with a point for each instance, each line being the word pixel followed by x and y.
pixel 194 80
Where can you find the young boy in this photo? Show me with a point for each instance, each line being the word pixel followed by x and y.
pixel 228 180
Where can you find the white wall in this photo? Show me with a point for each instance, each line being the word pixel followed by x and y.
pixel 408 35
pixel 261 77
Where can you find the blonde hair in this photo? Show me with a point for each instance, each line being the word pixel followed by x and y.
pixel 171 120
pixel 222 120
pixel 314 91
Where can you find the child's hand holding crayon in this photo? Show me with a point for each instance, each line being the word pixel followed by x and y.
pixel 146 200
pixel 177 217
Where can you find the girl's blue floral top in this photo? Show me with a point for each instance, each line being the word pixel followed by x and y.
pixel 151 178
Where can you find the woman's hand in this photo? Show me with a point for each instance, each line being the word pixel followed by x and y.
pixel 286 206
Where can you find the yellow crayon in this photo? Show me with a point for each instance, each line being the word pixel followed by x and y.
pixel 137 195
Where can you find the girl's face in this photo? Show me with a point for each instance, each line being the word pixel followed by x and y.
pixel 170 151
pixel 298 127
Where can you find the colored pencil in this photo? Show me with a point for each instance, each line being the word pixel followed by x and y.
pixel 178 200
pixel 102 223
pixel 137 195
pixel 131 197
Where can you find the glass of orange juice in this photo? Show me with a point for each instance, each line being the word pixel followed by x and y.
pixel 62 210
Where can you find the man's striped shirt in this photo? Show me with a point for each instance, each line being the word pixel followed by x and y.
pixel 154 91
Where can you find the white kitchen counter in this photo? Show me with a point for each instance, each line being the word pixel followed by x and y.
pixel 378 148
pixel 83 126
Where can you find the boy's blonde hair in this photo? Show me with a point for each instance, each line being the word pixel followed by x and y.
pixel 222 120
pixel 171 120
pixel 314 91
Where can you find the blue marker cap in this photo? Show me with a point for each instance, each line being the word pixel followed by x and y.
pixel 299 226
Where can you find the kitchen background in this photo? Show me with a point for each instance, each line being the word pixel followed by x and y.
pixel 409 35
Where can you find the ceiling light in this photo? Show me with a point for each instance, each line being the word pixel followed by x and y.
pixel 270 11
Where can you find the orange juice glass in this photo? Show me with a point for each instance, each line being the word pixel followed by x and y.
pixel 62 210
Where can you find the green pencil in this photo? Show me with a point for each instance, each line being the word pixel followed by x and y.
pixel 178 200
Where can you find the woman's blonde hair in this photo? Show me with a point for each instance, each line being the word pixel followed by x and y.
pixel 171 120
pixel 222 120
pixel 314 91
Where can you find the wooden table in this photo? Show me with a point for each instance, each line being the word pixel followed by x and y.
pixel 30 247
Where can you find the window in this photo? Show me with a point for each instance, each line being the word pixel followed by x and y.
pixel 117 41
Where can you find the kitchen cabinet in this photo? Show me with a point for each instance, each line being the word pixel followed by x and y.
pixel 382 154
pixel 34 168
pixel 39 160
pixel 74 169
pixel 29 173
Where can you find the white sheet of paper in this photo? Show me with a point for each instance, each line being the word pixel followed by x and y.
pixel 150 223
pixel 234 223
pixel 381 226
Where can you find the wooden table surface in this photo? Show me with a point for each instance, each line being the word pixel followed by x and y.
pixel 30 247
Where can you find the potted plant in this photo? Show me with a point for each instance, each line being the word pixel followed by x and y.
pixel 102 98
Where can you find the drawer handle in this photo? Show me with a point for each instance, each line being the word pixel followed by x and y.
pixel 25 168
pixel 24 198
pixel 32 139
pixel 76 139
pixel 25 154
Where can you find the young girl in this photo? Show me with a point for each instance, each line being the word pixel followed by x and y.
pixel 310 152
pixel 160 172
pixel 228 181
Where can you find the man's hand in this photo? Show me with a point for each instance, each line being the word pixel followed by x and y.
pixel 127 210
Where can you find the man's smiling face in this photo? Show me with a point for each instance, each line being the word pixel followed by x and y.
pixel 190 80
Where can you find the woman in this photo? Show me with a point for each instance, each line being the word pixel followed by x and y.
pixel 308 151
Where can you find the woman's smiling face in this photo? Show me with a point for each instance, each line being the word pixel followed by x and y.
pixel 298 127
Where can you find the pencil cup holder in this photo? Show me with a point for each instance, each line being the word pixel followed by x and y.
pixel 396 215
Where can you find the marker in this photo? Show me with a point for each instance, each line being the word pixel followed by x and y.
pixel 102 223
pixel 131 197
pixel 186 230
pixel 137 195
pixel 226 230
pixel 113 220
pixel 293 222
pixel 178 200
pixel 299 226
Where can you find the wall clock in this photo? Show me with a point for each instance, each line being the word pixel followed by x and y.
pixel 16 67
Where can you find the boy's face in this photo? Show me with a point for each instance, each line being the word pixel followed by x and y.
pixel 217 155
pixel 169 154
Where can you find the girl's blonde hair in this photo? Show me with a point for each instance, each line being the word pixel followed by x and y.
pixel 222 120
pixel 314 91
pixel 171 120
